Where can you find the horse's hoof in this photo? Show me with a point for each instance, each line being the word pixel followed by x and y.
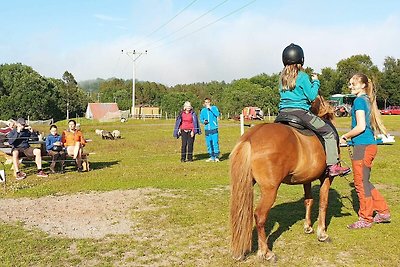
pixel 270 256
pixel 308 230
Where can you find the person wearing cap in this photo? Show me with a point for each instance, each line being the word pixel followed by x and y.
pixel 209 117
pixel 296 94
pixel 18 138
pixel 187 126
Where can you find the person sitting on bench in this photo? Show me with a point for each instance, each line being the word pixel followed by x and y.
pixel 4 132
pixel 55 149
pixel 74 142
pixel 18 138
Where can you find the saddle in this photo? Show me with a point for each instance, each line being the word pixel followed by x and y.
pixel 298 124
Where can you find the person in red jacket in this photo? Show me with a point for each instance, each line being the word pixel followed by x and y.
pixel 187 126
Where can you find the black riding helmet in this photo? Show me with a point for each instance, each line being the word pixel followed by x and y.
pixel 293 54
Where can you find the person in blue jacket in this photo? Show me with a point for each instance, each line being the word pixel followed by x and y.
pixel 296 94
pixel 187 126
pixel 209 117
pixel 55 149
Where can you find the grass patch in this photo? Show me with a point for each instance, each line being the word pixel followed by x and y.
pixel 186 222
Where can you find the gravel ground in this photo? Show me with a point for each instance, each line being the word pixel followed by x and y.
pixel 83 215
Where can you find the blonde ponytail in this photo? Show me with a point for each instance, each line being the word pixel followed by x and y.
pixel 289 76
pixel 375 117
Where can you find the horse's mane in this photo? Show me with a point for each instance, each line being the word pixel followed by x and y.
pixel 323 109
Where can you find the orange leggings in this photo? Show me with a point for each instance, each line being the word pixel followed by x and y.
pixel 370 198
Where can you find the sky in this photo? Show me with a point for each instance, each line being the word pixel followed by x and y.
pixel 189 41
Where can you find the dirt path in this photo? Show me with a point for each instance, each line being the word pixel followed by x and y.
pixel 91 215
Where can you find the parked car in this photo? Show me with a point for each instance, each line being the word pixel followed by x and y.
pixel 391 110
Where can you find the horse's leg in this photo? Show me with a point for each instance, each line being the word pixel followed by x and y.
pixel 308 203
pixel 323 206
pixel 268 196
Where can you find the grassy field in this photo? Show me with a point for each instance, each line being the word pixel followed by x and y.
pixel 187 220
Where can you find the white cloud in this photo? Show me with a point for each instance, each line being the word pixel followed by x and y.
pixel 246 47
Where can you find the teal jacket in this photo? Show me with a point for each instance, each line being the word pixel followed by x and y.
pixel 302 95
pixel 209 117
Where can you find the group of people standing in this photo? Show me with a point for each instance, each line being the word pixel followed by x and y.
pixel 187 126
pixel 297 92
pixel 70 142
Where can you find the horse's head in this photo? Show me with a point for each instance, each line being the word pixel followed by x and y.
pixel 323 109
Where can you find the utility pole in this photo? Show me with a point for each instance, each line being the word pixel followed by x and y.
pixel 134 55
pixel 67 105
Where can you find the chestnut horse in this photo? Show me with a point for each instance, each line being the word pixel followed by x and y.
pixel 271 154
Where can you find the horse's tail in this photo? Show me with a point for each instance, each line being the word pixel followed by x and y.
pixel 241 199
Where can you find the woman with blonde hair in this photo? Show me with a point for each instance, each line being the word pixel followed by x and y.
pixel 365 123
pixel 296 94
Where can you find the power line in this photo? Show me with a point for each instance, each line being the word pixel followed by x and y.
pixel 209 24
pixel 188 24
pixel 171 19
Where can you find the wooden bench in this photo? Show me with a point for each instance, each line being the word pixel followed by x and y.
pixel 5 152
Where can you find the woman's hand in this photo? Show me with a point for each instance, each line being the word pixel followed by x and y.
pixel 343 140
pixel 191 133
pixel 314 76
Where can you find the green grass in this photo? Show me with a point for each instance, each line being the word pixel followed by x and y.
pixel 190 225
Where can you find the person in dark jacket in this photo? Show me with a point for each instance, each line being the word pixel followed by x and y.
pixel 55 149
pixel 19 138
pixel 187 126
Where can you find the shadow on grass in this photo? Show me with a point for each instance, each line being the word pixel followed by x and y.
pixel 205 156
pixel 288 214
pixel 97 165
pixel 354 198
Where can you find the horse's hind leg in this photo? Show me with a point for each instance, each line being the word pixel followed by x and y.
pixel 323 206
pixel 268 196
pixel 308 203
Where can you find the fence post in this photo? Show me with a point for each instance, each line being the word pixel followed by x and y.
pixel 241 124
pixel 269 115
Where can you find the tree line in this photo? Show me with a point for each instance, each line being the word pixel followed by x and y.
pixel 24 92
